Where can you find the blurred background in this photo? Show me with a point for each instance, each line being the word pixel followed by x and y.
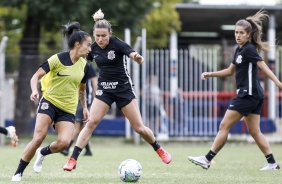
pixel 179 40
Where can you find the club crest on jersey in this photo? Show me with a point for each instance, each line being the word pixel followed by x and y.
pixel 44 106
pixel 111 55
pixel 239 59
pixel 99 92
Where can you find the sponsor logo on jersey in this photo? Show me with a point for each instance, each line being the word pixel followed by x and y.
pixel 111 55
pixel 109 85
pixel 239 59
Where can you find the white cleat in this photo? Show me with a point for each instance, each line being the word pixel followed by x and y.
pixel 17 177
pixel 12 134
pixel 37 166
pixel 201 161
pixel 270 167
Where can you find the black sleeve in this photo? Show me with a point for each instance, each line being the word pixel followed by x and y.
pixel 92 72
pixel 87 73
pixel 45 66
pixel 123 47
pixel 253 55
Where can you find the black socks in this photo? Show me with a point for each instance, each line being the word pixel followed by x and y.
pixel 270 158
pixel 46 151
pixel 21 167
pixel 210 155
pixel 76 152
pixel 155 145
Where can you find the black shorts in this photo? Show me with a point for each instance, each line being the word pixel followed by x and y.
pixel 56 114
pixel 121 98
pixel 246 105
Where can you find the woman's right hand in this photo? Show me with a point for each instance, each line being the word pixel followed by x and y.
pixel 34 96
pixel 205 75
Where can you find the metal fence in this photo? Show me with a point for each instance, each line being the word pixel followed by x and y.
pixel 199 106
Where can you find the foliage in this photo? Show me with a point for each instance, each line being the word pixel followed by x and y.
pixel 11 23
pixel 47 17
pixel 160 22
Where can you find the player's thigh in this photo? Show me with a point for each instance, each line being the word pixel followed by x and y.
pixel 98 110
pixel 43 121
pixel 65 130
pixel 253 122
pixel 132 113
pixel 230 118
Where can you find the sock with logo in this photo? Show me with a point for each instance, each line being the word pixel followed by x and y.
pixel 76 152
pixel 270 159
pixel 21 167
pixel 46 151
pixel 155 145
pixel 210 155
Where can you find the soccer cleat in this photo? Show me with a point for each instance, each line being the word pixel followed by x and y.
pixel 65 152
pixel 37 166
pixel 201 161
pixel 12 134
pixel 164 155
pixel 70 165
pixel 270 167
pixel 17 177
pixel 87 153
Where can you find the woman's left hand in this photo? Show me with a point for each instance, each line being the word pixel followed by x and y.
pixel 85 115
pixel 138 58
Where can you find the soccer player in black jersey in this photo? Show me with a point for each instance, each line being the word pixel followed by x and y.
pixel 114 85
pixel 64 76
pixel 248 102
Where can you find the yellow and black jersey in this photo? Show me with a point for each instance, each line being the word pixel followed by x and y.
pixel 61 83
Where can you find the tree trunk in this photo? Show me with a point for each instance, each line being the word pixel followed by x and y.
pixel 29 63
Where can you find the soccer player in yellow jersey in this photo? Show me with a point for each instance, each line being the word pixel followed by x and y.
pixel 64 81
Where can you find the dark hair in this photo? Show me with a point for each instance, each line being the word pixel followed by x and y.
pixel 100 22
pixel 73 34
pixel 253 25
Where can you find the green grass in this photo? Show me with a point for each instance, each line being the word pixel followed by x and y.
pixel 236 163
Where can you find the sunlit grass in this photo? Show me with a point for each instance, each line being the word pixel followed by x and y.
pixel 236 163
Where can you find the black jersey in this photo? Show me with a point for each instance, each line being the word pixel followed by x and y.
pixel 112 65
pixel 247 82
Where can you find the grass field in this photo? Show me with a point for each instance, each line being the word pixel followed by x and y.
pixel 236 163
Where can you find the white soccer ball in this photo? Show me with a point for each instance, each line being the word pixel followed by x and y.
pixel 130 170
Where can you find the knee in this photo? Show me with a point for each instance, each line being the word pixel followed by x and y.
pixel 254 133
pixel 92 124
pixel 37 140
pixel 223 127
pixel 140 130
pixel 63 144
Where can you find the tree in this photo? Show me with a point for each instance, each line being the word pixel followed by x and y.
pixel 160 22
pixel 49 15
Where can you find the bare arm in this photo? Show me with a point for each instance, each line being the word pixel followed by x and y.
pixel 94 85
pixel 136 57
pixel 269 73
pixel 222 73
pixel 34 82
pixel 82 99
